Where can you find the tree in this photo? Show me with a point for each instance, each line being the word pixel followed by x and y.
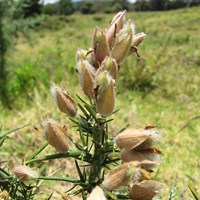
pixel 65 7
pixel 31 7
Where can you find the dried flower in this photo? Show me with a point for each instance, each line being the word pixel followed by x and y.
pixel 131 138
pixel 97 194
pixel 122 175
pixel 104 93
pixel 86 74
pixel 63 100
pixel 100 45
pixel 86 55
pixel 153 138
pixel 145 190
pixel 24 172
pixel 123 41
pixel 109 64
pixel 137 39
pixel 115 26
pixel 4 195
pixel 132 155
pixel 55 135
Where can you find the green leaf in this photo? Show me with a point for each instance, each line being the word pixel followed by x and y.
pixel 194 194
pixel 4 134
pixel 79 172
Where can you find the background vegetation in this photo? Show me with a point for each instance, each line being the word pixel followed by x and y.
pixel 160 88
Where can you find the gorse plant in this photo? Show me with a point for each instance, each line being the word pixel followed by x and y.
pixel 108 167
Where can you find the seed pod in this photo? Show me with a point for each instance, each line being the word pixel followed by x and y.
pixel 64 102
pixel 131 138
pixel 24 172
pixel 122 175
pixel 104 93
pixel 97 194
pixel 55 135
pixel 100 45
pixel 145 190
pixel 123 40
pixel 115 26
pixel 86 75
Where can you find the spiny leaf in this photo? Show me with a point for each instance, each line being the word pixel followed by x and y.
pixel 79 172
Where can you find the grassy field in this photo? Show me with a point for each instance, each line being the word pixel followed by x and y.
pixel 161 88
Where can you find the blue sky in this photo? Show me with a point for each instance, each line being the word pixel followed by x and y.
pixel 53 1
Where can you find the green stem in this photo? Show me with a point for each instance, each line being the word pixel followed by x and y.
pixel 55 178
pixel 38 151
pixel 80 155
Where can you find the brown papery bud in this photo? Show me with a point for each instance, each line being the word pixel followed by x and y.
pixel 145 190
pixel 100 45
pixel 115 26
pixel 150 141
pixel 131 138
pixel 24 172
pixel 123 40
pixel 86 75
pixel 55 135
pixel 63 100
pixel 104 93
pixel 132 155
pixel 122 175
pixel 109 64
pixel 137 39
pixel 97 194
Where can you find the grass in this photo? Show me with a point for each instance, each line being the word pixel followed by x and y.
pixel 161 88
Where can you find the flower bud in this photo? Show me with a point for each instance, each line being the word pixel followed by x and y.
pixel 122 45
pixel 131 138
pixel 132 155
pixel 86 55
pixel 4 195
pixel 104 93
pixel 109 64
pixel 100 45
pixel 63 100
pixel 24 172
pixel 153 138
pixel 97 194
pixel 86 75
pixel 115 26
pixel 55 135
pixel 137 39
pixel 122 175
pixel 145 190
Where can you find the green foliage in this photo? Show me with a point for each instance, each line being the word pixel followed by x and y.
pixel 144 5
pixel 65 7
pixel 31 8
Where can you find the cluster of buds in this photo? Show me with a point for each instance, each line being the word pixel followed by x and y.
pixel 139 157
pixel 55 134
pixel 98 66
pixel 98 69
